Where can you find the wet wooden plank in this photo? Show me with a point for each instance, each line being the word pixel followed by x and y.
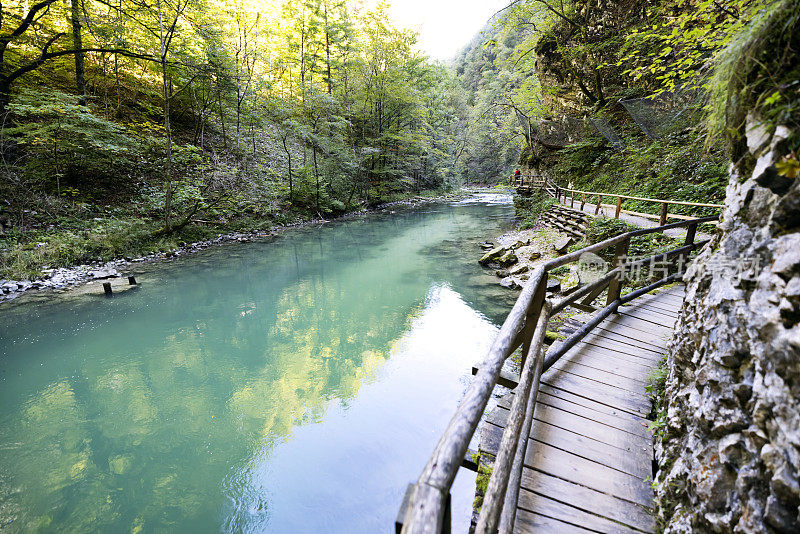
pixel 650 311
pixel 578 425
pixel 573 468
pixel 661 319
pixel 530 522
pixel 581 497
pixel 583 367
pixel 596 384
pixel 640 330
pixel 614 332
pixel 597 391
pixel 617 420
pixel 616 362
pixel 626 352
pixel 545 506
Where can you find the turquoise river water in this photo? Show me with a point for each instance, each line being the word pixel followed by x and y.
pixel 295 384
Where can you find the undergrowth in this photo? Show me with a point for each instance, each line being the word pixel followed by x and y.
pixel 530 207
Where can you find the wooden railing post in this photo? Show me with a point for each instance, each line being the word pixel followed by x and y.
pixel 663 220
pixel 583 201
pixel 599 201
pixel 619 207
pixel 691 231
pixel 533 316
pixel 620 256
pixel 572 199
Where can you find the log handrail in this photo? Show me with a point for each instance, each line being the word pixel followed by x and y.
pixel 427 507
pixel 643 199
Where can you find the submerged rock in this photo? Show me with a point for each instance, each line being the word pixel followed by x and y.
pixel 492 255
pixel 508 258
pixel 509 283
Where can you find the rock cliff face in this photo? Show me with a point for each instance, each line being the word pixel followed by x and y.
pixel 730 457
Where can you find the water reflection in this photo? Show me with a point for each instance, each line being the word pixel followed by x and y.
pixel 289 385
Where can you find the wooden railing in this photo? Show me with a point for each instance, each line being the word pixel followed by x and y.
pixel 426 507
pixel 563 194
pixel 528 178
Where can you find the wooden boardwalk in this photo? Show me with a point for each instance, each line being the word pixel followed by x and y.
pixel 589 459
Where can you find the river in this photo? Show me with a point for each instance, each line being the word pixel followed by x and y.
pixel 295 384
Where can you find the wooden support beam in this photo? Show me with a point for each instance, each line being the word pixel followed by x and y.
pixel 619 207
pixel 107 289
pixel 615 285
pixel 663 219
pixel 505 379
pixel 469 461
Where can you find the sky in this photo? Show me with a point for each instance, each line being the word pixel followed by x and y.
pixel 445 26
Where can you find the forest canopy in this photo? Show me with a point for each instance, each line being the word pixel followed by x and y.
pixel 180 111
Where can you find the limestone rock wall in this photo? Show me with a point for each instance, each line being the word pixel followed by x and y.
pixel 730 456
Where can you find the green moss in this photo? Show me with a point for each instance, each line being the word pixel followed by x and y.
pixel 481 484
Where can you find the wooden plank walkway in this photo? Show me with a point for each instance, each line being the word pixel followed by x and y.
pixel 589 458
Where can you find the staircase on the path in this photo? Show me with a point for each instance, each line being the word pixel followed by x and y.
pixel 571 222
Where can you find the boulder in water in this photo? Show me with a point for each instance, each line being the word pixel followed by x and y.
pixel 509 258
pixel 492 255
pixel 509 283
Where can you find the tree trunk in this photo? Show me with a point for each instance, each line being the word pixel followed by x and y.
pixel 327 49
pixel 80 71
pixel 289 158
pixel 165 86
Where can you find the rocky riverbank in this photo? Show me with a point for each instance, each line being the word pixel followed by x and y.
pixel 59 279
pixel 516 254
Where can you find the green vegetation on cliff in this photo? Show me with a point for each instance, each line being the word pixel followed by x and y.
pixel 614 97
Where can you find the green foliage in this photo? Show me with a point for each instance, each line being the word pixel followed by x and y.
pixel 758 73
pixel 678 39
pixel 65 142
pixel 274 112
pixel 529 208
pixel 656 388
